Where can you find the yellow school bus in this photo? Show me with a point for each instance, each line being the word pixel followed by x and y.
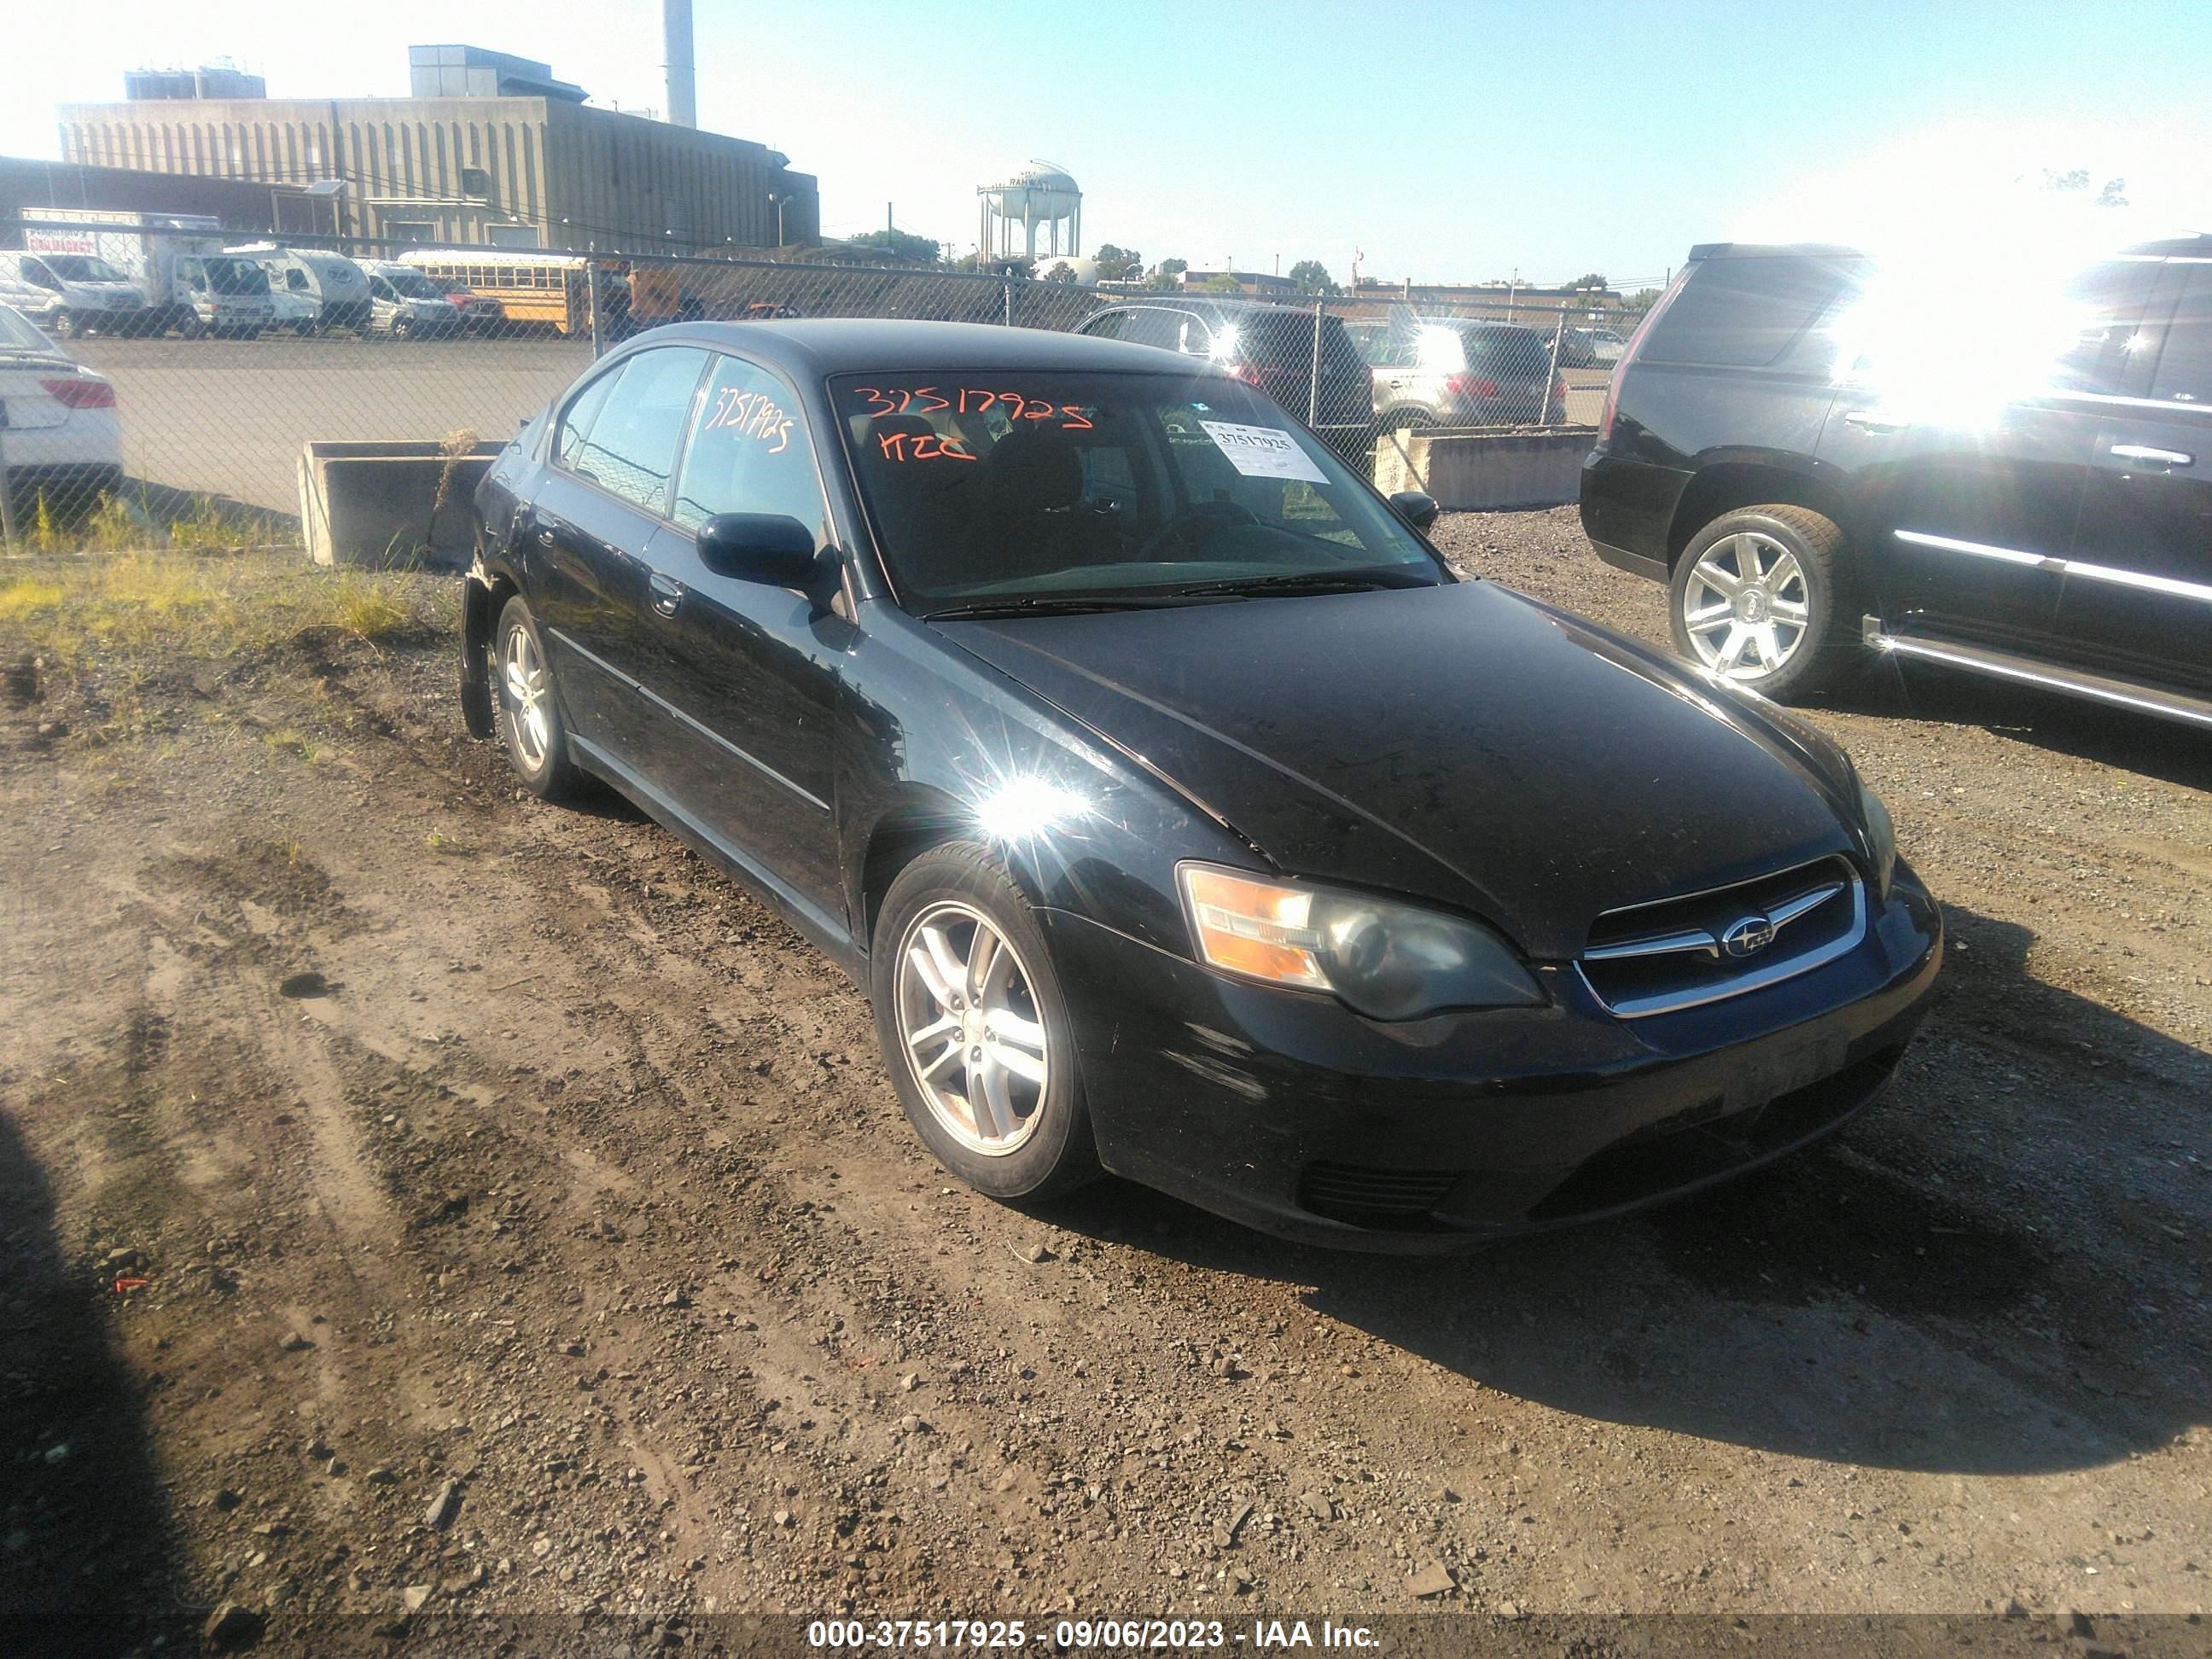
pixel 548 290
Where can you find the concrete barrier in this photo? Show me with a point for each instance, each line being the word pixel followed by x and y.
pixel 1485 466
pixel 371 503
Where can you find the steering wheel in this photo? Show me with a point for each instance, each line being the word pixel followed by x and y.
pixel 1179 528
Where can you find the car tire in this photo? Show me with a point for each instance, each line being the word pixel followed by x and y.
pixel 1791 628
pixel 527 705
pixel 67 325
pixel 403 328
pixel 1015 1060
pixel 1415 419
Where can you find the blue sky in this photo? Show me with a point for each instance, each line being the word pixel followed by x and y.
pixel 1455 141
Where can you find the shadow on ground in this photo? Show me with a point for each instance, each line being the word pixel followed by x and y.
pixel 2145 744
pixel 1935 1288
pixel 86 1558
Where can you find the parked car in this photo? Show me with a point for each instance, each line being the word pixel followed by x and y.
pixel 479 315
pixel 71 293
pixel 403 304
pixel 1180 812
pixel 1268 346
pixel 59 436
pixel 1815 502
pixel 301 313
pixel 1451 372
pixel 1590 347
pixel 337 286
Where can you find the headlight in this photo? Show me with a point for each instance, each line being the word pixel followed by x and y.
pixel 1388 960
pixel 1882 838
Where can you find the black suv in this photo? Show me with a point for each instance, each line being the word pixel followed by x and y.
pixel 1268 346
pixel 1806 512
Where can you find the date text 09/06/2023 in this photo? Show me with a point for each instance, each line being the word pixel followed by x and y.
pixel 1088 1635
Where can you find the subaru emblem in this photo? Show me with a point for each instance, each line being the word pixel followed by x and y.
pixel 1748 937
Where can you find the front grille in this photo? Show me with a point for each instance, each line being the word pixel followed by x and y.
pixel 1680 952
pixel 1374 1198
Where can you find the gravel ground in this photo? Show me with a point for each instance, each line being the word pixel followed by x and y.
pixel 527 1227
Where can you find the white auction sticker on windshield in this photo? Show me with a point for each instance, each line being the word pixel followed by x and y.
pixel 1262 451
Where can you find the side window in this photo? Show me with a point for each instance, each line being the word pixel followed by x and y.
pixel 749 452
pixel 1743 311
pixel 1155 326
pixel 34 271
pixel 1106 324
pixel 380 287
pixel 631 446
pixel 2184 367
pixel 296 280
pixel 1193 340
pixel 2108 301
pixel 570 449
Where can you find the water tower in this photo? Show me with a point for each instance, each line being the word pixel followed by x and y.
pixel 1039 196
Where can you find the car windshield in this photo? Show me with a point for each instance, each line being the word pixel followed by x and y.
pixel 18 337
pixel 82 268
pixel 1047 489
pixel 411 282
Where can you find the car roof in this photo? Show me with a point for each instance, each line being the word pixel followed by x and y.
pixel 818 347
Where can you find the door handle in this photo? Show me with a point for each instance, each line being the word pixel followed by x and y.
pixel 667 593
pixel 545 536
pixel 2146 453
pixel 1869 422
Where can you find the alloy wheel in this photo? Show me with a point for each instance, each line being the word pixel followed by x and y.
pixel 523 685
pixel 1747 607
pixel 969 1028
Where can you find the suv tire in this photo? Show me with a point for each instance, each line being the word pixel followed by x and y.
pixel 1766 596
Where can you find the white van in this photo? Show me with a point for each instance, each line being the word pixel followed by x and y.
pixel 338 286
pixel 69 294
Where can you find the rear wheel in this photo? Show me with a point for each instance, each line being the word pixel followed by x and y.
pixel 67 325
pixel 1762 596
pixel 975 1029
pixel 528 708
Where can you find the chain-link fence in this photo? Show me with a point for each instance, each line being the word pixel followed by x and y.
pixel 160 383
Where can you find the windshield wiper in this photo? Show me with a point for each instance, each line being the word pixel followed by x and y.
pixel 1315 581
pixel 1068 605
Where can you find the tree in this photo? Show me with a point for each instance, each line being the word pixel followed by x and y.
pixel 2114 194
pixel 1119 265
pixel 1168 274
pixel 1590 279
pixel 1062 272
pixel 1311 276
pixel 1221 282
pixel 894 246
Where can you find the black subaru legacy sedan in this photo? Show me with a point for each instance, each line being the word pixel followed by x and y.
pixel 1181 813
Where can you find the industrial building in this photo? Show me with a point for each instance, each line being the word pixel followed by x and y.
pixel 27 185
pixel 488 149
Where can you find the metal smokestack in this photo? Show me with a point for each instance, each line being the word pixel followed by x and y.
pixel 675 39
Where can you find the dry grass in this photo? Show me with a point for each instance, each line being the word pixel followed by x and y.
pixel 182 604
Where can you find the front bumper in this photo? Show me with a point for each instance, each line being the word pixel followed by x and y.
pixel 1293 1114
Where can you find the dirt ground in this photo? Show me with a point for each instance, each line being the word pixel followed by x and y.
pixel 525 1225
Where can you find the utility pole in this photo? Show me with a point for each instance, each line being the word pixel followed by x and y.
pixel 888 226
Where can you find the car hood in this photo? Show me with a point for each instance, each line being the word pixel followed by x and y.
pixel 1461 744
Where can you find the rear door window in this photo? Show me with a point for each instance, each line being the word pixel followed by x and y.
pixel 568 448
pixel 631 448
pixel 2109 300
pixel 2184 367
pixel 1744 313
pixel 1107 325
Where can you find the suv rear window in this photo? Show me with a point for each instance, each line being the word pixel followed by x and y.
pixel 1743 313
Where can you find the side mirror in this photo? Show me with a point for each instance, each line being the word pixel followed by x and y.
pixel 771 547
pixel 1417 508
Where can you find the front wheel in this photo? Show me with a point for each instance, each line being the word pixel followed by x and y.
pixel 527 708
pixel 1763 596
pixel 974 1027
pixel 67 325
